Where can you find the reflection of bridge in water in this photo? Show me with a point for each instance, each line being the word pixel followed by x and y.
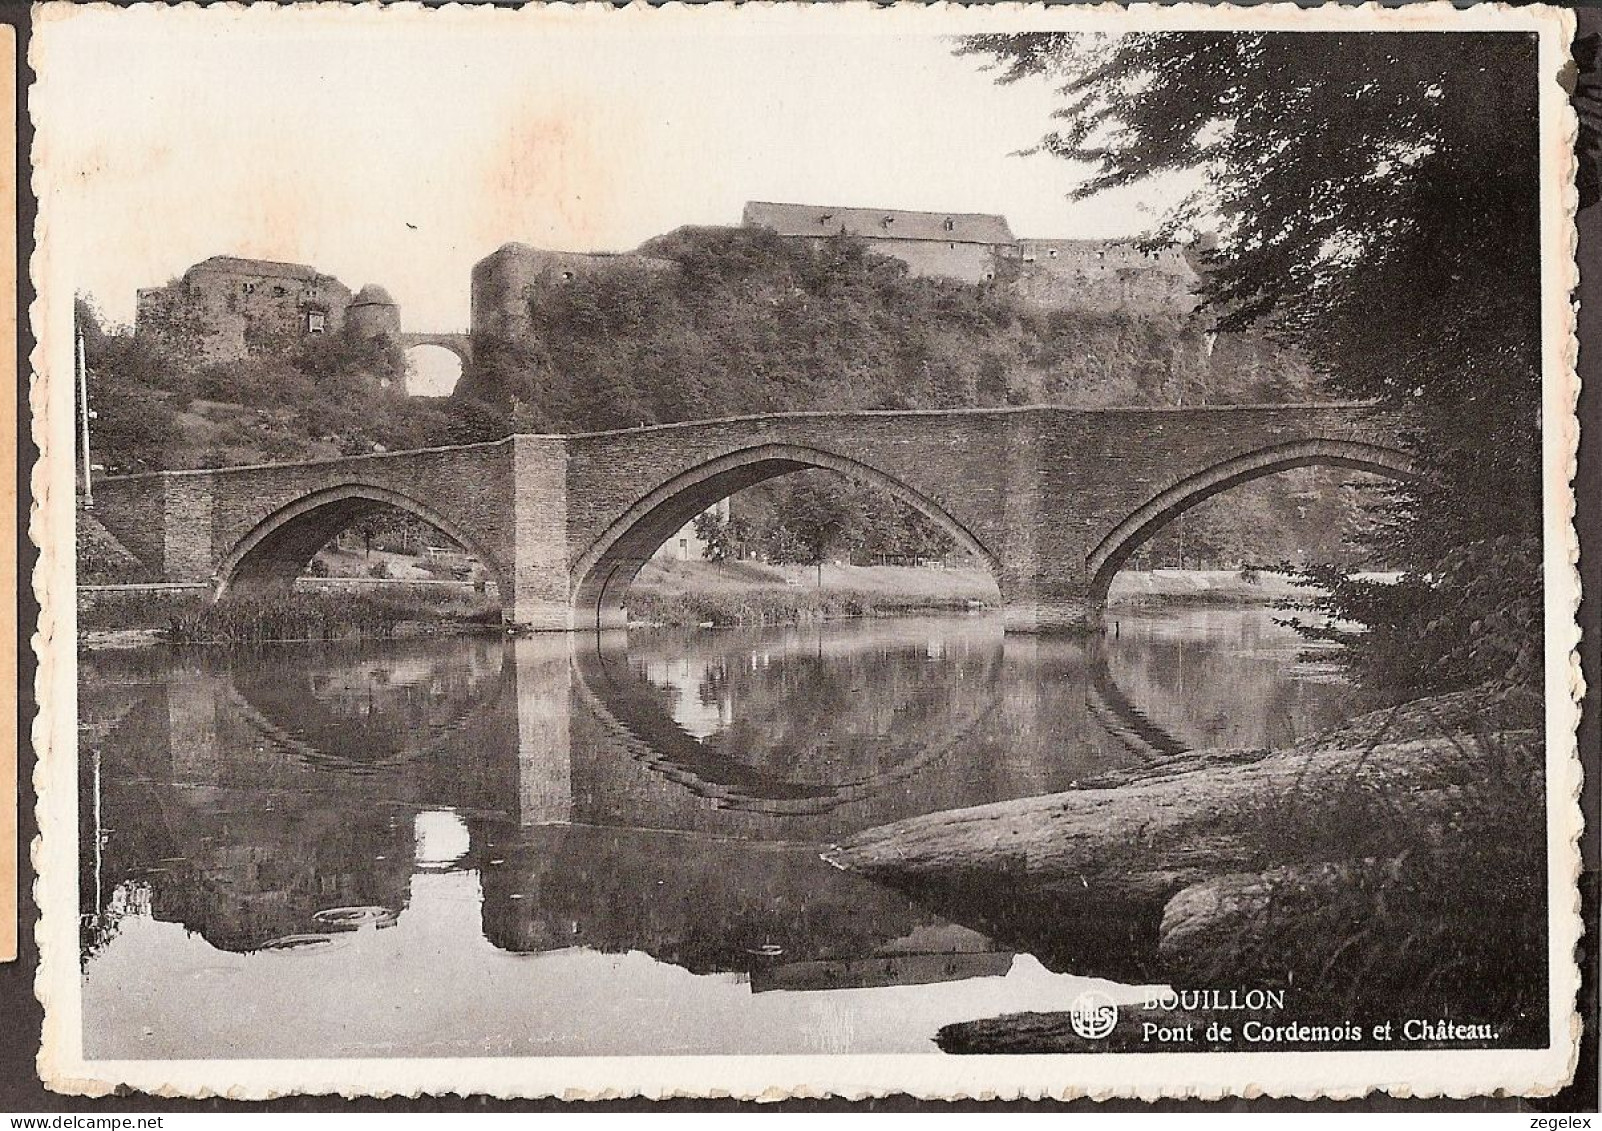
pixel 611 690
pixel 252 791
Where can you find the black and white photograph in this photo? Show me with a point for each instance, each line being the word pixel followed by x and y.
pixel 816 550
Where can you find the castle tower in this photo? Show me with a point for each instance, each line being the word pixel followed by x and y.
pixel 373 314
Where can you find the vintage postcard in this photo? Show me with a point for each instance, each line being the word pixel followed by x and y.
pixel 817 550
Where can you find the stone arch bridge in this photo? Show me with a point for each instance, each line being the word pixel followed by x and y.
pixel 461 344
pixel 1054 500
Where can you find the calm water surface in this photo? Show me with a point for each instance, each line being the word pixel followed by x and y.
pixel 467 846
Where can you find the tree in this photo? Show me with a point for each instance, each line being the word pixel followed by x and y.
pixel 471 421
pixel 1374 200
pixel 822 512
pixel 131 426
pixel 717 542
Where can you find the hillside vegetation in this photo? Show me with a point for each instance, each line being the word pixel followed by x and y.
pixel 754 323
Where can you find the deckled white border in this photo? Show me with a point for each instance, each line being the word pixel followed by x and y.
pixel 934 1076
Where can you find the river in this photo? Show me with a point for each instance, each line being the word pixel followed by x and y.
pixel 468 846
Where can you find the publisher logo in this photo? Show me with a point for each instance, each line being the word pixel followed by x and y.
pixel 1093 1015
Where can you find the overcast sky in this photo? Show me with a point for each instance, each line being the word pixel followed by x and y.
pixel 401 151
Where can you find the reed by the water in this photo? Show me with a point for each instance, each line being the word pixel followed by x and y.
pixel 189 618
pixel 293 616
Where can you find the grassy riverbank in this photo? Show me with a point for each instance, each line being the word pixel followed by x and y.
pixel 681 594
pixel 752 593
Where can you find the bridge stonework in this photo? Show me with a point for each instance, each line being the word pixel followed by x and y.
pixel 1053 500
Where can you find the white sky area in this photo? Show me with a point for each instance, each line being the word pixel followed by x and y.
pixel 401 151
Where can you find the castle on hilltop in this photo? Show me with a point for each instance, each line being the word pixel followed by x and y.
pixel 978 247
pixel 973 247
pixel 227 308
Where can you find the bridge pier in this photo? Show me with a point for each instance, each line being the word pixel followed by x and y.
pixel 543 671
pixel 534 614
pixel 1059 613
pixel 537 594
pixel 1051 600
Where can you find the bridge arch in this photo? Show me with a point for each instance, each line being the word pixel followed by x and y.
pixel 432 370
pixel 1150 517
pixel 604 572
pixel 459 344
pixel 276 696
pixel 278 548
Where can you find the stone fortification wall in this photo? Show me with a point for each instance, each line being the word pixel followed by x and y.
pixel 1100 275
pixel 373 314
pixel 225 309
pixel 969 262
pixel 502 280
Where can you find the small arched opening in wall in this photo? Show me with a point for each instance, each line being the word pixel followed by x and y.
pixel 359 538
pixel 1153 535
pixel 663 520
pixel 432 370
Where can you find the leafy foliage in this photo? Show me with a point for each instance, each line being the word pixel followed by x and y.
pixel 1373 200
pixel 717 537
pixel 1414 929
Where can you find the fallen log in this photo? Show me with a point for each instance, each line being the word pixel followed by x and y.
pixel 1220 819
pixel 1081 878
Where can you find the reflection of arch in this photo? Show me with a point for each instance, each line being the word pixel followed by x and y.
pixel 609 566
pixel 1128 535
pixel 627 706
pixel 276 550
pixel 436 736
pixel 1121 719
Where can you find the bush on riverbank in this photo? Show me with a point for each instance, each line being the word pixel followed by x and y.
pixel 1450 924
pixel 111 609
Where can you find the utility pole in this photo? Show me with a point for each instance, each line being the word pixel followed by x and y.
pixel 83 403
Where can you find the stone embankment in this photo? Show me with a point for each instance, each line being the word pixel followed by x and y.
pixel 1250 865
